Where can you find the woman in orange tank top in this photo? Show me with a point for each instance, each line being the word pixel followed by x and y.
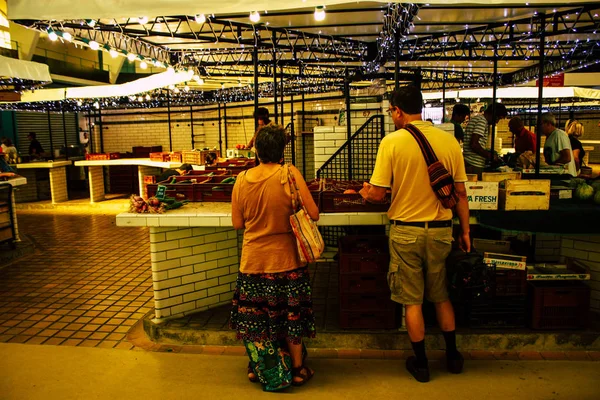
pixel 272 303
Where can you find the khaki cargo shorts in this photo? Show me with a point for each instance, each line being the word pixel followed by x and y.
pixel 418 263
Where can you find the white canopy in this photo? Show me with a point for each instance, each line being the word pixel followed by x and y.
pixel 92 92
pixel 13 68
pixel 69 9
pixel 518 93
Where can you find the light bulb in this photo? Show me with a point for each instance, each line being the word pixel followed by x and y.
pixel 200 81
pixel 52 35
pixel 131 57
pixel 113 53
pixel 171 87
pixel 254 16
pixel 94 45
pixel 319 13
pixel 170 69
pixel 67 36
pixel 79 103
pixel 222 86
pixel 196 77
pixel 176 90
pixel 143 65
pixel 91 23
pixel 499 100
pixel 96 104
pixel 143 20
pixel 158 64
pixel 140 98
pixel 186 88
pixel 457 100
pixel 148 97
pixel 200 18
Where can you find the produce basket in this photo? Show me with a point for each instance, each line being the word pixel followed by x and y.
pixel 334 200
pixel 102 156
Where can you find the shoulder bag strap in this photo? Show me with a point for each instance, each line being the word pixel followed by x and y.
pixel 296 200
pixel 423 143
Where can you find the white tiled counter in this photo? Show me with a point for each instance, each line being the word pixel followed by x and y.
pixel 58 177
pixel 195 254
pixel 96 174
pixel 14 182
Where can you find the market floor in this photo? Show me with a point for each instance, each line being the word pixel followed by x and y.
pixel 86 284
pixel 58 372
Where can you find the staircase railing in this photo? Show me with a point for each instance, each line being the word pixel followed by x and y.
pixel 355 159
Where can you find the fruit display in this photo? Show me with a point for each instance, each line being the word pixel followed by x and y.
pixel 586 191
pixel 153 205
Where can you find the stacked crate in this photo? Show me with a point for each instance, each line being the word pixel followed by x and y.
pixel 363 289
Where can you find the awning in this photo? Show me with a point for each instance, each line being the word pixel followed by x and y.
pixel 27 70
pixel 68 9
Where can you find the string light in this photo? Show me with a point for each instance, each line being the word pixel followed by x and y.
pixel 113 53
pixel 200 18
pixel 131 56
pixel 143 65
pixel 319 13
pixel 142 20
pixel 67 36
pixel 94 45
pixel 91 23
pixel 52 35
pixel 254 16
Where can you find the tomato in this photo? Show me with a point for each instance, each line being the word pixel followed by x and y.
pixel 350 191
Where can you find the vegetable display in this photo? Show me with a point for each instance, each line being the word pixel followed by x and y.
pixel 153 205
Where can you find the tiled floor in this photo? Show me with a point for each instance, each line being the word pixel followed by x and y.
pixel 87 283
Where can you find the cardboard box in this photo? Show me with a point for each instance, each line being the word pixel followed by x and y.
pixel 491 246
pixel 572 270
pixel 499 176
pixel 507 261
pixel 482 195
pixel 527 194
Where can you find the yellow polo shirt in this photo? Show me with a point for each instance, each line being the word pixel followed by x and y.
pixel 400 165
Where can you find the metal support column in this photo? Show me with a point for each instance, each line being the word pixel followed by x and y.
pixel 494 110
pixel 444 97
pixel 255 62
pixel 348 120
pixel 293 134
pixel 169 120
pixel 540 93
pixel 225 126
pixel 64 124
pixel 303 129
pixel 192 125
pixel 220 129
pixel 275 109
pixel 418 78
pixel 282 103
pixel 397 60
pixel 101 128
pixel 50 132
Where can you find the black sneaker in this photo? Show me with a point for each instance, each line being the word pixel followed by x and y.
pixel 455 364
pixel 420 373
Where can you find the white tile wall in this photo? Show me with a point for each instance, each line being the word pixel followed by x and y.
pixel 587 250
pixel 96 179
pixel 58 185
pixel 192 269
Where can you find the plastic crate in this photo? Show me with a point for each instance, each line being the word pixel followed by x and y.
pixel 339 202
pixel 160 156
pixel 214 190
pixel 150 179
pixel 361 283
pixel 368 302
pixel 510 282
pixel 102 156
pixel 498 312
pixel 558 305
pixel 380 319
pixel 364 254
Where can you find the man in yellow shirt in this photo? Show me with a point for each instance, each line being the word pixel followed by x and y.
pixel 421 231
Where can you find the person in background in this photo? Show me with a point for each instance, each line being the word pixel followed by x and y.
pixel 525 140
pixel 460 113
pixel 36 150
pixel 575 130
pixel 557 149
pixel 262 119
pixel 184 169
pixel 476 136
pixel 272 303
pixel 421 230
pixel 9 151
pixel 211 159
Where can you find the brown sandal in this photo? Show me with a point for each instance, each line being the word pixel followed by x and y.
pixel 254 378
pixel 302 372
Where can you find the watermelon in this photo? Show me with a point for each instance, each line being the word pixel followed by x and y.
pixel 584 192
pixel 597 197
pixel 596 185
pixel 576 182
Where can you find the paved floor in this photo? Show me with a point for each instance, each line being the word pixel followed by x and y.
pixel 87 283
pixel 57 372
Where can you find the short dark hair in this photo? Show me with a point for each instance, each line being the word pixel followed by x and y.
pixel 408 98
pixel 270 143
pixel 460 110
pixel 500 110
pixel 6 141
pixel 185 167
pixel 262 113
pixel 32 134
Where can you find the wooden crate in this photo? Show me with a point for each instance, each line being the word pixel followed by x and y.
pixel 197 157
pixel 472 178
pixel 166 156
pixel 491 246
pixel 499 176
pixel 527 194
pixel 482 195
pixel 559 305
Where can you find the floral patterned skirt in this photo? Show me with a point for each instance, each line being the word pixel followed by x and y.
pixel 267 309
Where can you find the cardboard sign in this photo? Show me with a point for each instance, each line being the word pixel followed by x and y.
pixel 482 195
pixel 161 192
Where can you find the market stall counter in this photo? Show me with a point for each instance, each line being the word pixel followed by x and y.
pixel 96 176
pixel 14 182
pixel 195 254
pixel 58 180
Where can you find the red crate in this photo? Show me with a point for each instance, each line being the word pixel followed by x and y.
pixel 102 156
pixel 160 156
pixel 364 254
pixel 511 282
pixel 150 179
pixel 559 304
pixel 380 319
pixel 368 302
pixel 339 202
